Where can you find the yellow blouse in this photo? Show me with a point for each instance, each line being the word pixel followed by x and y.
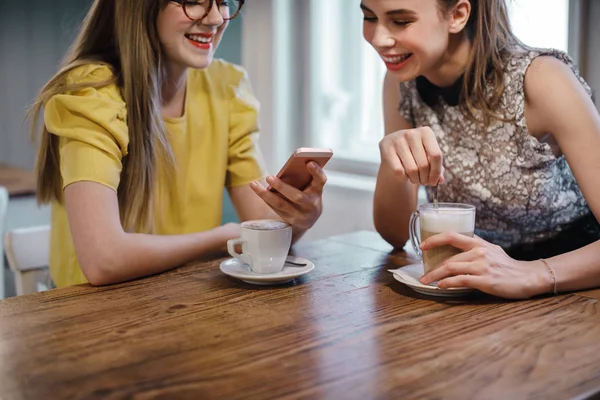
pixel 214 143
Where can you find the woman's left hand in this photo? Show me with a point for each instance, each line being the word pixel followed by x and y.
pixel 298 208
pixel 486 267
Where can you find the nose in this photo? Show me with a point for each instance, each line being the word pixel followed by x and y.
pixel 213 17
pixel 382 38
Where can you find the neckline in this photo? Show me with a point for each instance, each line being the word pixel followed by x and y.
pixel 177 120
pixel 431 93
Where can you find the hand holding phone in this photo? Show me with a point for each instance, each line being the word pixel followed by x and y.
pixel 295 171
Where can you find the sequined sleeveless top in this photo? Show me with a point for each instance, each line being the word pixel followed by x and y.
pixel 522 191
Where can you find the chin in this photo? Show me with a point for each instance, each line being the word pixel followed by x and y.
pixel 404 76
pixel 200 64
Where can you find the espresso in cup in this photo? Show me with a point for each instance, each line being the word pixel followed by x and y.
pixel 447 217
pixel 265 245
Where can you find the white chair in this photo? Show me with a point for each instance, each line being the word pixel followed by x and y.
pixel 3 211
pixel 27 252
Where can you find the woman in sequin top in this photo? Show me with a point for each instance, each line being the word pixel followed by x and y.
pixel 494 123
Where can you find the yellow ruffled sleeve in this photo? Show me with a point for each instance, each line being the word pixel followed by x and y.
pixel 92 126
pixel 245 161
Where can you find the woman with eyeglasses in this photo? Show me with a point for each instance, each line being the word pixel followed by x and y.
pixel 141 132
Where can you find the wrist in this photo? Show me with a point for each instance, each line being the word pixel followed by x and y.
pixel 552 273
pixel 545 280
pixel 219 236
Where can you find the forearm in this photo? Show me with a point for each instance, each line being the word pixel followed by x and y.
pixel 578 269
pixel 393 204
pixel 136 255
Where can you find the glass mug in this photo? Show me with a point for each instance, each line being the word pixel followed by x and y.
pixel 448 217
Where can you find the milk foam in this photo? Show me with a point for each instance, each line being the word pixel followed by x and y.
pixel 265 225
pixel 447 220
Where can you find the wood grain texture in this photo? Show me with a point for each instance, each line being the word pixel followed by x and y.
pixel 17 181
pixel 348 330
pixel 591 294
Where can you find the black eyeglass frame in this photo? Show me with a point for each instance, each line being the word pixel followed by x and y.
pixel 183 4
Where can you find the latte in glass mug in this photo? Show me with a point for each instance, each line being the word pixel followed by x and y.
pixel 448 217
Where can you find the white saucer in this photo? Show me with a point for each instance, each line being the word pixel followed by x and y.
pixel 410 274
pixel 237 269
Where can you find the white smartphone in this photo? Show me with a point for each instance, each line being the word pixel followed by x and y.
pixel 295 172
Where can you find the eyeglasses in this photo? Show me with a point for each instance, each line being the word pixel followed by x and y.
pixel 197 10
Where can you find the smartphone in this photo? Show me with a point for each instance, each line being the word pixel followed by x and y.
pixel 295 172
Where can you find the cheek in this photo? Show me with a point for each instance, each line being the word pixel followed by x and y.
pixel 368 32
pixel 219 34
pixel 171 24
pixel 425 40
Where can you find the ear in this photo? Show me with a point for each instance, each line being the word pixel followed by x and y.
pixel 459 16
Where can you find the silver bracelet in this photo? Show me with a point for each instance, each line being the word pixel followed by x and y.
pixel 551 272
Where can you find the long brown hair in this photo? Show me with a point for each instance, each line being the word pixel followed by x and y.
pixel 122 35
pixel 491 36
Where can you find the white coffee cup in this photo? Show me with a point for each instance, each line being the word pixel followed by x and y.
pixel 265 245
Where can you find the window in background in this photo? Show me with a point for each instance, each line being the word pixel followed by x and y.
pixel 346 74
pixel 549 28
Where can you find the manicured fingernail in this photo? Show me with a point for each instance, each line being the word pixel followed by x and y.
pixel 270 179
pixel 253 184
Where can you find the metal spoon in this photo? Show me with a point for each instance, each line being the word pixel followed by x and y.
pixel 435 196
pixel 295 264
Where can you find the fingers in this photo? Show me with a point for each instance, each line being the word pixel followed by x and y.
pixel 279 204
pixel 418 153
pixel 421 161
pixel 389 157
pixel 471 255
pixel 406 158
pixel 460 241
pixel 470 281
pixel 301 197
pixel 434 156
pixel 293 198
pixel 287 191
pixel 450 269
pixel 319 178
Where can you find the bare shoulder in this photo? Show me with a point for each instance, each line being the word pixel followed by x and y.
pixel 554 95
pixel 549 76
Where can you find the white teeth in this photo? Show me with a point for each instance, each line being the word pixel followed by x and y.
pixel 397 59
pixel 200 39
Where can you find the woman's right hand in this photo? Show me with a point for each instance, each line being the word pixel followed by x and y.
pixel 414 155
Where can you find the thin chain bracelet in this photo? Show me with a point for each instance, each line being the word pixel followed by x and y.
pixel 551 272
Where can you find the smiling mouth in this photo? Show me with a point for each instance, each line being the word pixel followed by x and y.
pixel 396 59
pixel 201 41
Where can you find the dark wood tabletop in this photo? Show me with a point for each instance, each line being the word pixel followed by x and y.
pixel 347 330
pixel 18 181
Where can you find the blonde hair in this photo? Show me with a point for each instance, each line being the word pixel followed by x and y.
pixel 489 30
pixel 122 35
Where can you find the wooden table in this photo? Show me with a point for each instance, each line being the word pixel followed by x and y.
pixel 18 181
pixel 348 330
